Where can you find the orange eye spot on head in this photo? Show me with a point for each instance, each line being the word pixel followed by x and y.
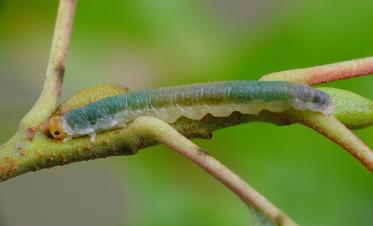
pixel 55 128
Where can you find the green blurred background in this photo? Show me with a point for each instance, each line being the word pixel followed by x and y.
pixel 147 43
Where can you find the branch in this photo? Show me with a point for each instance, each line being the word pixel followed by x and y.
pixel 167 135
pixel 325 73
pixel 354 110
pixel 21 154
pixel 48 99
pixel 332 128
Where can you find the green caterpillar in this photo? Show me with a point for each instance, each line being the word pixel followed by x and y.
pixel 192 101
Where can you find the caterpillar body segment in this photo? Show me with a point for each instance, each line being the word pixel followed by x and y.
pixel 192 101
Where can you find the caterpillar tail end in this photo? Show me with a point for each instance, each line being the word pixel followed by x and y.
pixel 329 110
pixel 67 139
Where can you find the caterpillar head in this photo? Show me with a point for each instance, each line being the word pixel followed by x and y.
pixel 55 127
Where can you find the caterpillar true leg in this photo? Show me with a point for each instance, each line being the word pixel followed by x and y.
pixel 67 139
pixel 93 136
pixel 122 125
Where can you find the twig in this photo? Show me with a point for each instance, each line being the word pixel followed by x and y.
pixel 325 73
pixel 48 99
pixel 336 131
pixel 329 125
pixel 167 135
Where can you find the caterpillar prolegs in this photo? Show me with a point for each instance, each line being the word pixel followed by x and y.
pixel 192 101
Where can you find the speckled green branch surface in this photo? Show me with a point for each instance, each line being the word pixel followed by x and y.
pixel 30 149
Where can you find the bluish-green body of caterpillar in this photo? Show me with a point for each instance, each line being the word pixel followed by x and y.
pixel 194 101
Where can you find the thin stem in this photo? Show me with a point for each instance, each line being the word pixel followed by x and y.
pixel 325 73
pixel 336 131
pixel 48 99
pixel 167 135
